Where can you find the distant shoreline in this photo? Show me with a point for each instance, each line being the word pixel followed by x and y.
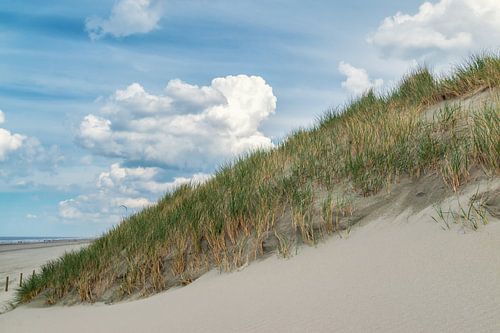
pixel 7 247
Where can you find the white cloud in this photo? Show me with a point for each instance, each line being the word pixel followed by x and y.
pixel 127 17
pixel 120 191
pixel 68 209
pixel 31 216
pixel 94 130
pixel 186 127
pixel 193 95
pixel 132 203
pixel 135 101
pixel 24 158
pixel 357 79
pixel 446 26
pixel 35 155
pixel 31 162
pixel 100 207
pixel 132 181
pixel 9 142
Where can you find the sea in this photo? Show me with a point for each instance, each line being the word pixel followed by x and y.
pixel 22 240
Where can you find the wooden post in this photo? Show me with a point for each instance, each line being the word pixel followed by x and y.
pixel 33 273
pixel 7 283
pixel 20 279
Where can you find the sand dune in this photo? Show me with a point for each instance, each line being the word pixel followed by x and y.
pixel 397 273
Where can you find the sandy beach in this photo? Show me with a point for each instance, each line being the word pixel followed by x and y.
pixel 26 257
pixel 399 273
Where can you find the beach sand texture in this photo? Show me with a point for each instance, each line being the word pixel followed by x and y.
pixel 399 272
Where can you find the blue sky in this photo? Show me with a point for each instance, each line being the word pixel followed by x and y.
pixel 106 104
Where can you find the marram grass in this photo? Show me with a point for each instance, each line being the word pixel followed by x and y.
pixel 297 192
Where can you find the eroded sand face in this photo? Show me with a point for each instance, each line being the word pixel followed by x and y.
pixel 395 273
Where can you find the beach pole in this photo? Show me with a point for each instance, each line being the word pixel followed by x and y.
pixel 20 279
pixel 7 283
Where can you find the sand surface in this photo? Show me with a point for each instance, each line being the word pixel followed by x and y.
pixel 395 274
pixel 24 258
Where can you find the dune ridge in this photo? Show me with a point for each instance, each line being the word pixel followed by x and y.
pixel 319 182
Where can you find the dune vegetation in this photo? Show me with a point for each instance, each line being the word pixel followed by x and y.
pixel 299 192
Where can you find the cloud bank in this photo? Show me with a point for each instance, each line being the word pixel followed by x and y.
pixel 185 127
pixel 446 26
pixel 120 191
pixel 357 80
pixel 127 17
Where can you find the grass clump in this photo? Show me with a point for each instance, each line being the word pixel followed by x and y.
pixel 298 192
pixel 472 215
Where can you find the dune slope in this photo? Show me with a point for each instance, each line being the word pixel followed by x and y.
pixel 401 271
pixel 317 183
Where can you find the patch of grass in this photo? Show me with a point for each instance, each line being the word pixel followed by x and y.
pixel 441 217
pixel 289 193
pixel 473 215
pixel 479 72
pixel 485 132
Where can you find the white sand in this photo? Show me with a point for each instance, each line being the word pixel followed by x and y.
pixel 24 258
pixel 401 274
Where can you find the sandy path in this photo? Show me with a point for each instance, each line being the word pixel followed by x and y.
pixel 25 258
pixel 388 276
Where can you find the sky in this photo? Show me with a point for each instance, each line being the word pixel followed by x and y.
pixel 107 105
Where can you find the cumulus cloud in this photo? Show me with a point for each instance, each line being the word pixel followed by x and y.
pixel 186 127
pixel 9 142
pixel 133 181
pixel 120 191
pixel 357 80
pixel 23 157
pixel 127 17
pixel 35 155
pixel 446 26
